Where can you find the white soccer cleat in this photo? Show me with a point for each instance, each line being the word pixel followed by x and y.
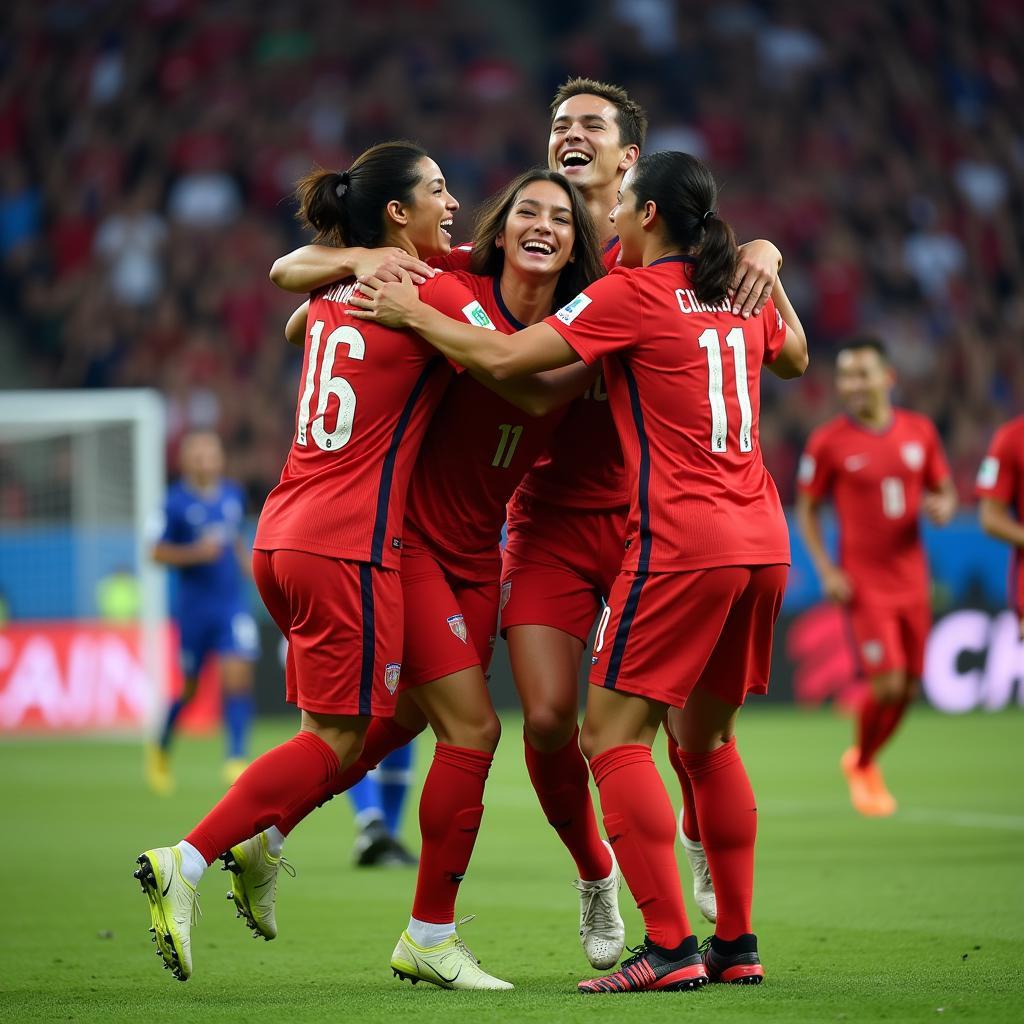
pixel 173 907
pixel 703 888
pixel 602 932
pixel 254 873
pixel 449 964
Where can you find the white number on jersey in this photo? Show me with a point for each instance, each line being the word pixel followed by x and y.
pixel 711 343
pixel 329 441
pixel 506 445
pixel 894 498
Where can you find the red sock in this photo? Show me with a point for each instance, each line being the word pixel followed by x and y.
pixel 892 715
pixel 383 736
pixel 562 782
pixel 451 807
pixel 265 793
pixel 691 829
pixel 641 826
pixel 869 728
pixel 728 818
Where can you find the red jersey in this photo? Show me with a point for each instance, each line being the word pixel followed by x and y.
pixel 684 389
pixel 876 480
pixel 475 453
pixel 366 395
pixel 583 467
pixel 1002 477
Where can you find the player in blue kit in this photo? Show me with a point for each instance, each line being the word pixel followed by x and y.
pixel 201 540
pixel 378 801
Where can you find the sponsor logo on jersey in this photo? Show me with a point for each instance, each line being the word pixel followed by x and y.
pixel 392 673
pixel 506 593
pixel 572 309
pixel 852 463
pixel 872 651
pixel 913 454
pixel 988 474
pixel 457 624
pixel 805 474
pixel 476 314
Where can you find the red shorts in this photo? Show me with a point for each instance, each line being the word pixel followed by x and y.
pixel 558 565
pixel 450 623
pixel 343 624
pixel 889 639
pixel 662 634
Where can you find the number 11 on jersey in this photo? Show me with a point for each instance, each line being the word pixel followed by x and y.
pixel 711 343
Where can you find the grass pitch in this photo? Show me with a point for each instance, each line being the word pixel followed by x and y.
pixel 915 918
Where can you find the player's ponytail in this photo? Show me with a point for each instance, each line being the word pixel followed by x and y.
pixel 347 208
pixel 686 196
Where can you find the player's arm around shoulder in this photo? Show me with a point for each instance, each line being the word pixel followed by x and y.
pixel 792 357
pixel 313 266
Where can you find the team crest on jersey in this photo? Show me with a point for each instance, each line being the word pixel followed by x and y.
pixel 988 474
pixel 506 593
pixel 476 314
pixel 392 673
pixel 457 624
pixel 872 651
pixel 913 454
pixel 572 309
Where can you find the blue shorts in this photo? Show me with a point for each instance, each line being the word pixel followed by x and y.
pixel 231 633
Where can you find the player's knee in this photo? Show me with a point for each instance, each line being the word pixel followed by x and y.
pixel 481 733
pixel 549 727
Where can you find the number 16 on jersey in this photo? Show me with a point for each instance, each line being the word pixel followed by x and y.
pixel 329 385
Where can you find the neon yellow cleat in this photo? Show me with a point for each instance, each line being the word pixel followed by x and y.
pixel 173 908
pixel 158 770
pixel 233 767
pixel 254 884
pixel 449 964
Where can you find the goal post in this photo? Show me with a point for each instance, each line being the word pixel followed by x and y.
pixel 83 644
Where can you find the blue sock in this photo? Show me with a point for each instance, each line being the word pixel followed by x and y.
pixel 167 734
pixel 237 716
pixel 395 776
pixel 366 800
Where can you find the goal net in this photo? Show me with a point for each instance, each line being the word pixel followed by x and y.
pixel 83 617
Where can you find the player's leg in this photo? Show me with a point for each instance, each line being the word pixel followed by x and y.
pixel 238 649
pixel 378 800
pixel 395 777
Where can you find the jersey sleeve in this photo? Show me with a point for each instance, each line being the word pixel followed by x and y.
pixel 458 259
pixel 936 468
pixel 605 318
pixel 997 477
pixel 815 473
pixel 172 526
pixel 774 330
pixel 448 295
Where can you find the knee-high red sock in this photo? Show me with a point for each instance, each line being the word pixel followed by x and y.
pixel 728 821
pixel 562 783
pixel 691 828
pixel 265 793
pixel 382 736
pixel 870 723
pixel 451 807
pixel 641 827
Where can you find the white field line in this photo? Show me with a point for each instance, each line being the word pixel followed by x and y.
pixel 907 815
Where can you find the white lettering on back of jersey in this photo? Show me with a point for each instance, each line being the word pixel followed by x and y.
pixel 340 292
pixel 689 303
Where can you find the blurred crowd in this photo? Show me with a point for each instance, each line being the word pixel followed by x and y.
pixel 148 150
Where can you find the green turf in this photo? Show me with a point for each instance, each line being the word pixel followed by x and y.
pixel 909 919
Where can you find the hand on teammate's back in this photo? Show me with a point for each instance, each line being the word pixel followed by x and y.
pixel 386 265
pixel 387 302
pixel 756 272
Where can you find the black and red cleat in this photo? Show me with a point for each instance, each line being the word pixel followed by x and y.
pixel 653 969
pixel 732 963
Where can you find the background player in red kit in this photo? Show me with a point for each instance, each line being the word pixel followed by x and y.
pixel 328 542
pixel 1000 487
pixel 881 467
pixel 707 545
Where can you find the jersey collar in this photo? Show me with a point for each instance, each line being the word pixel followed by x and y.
pixel 673 259
pixel 504 309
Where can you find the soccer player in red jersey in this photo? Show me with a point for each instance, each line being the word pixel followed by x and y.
pixel 881 467
pixel 706 544
pixel 328 542
pixel 1000 487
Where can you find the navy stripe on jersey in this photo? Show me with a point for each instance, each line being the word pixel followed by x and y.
pixel 622 633
pixel 518 325
pixel 673 259
pixel 644 498
pixel 369 638
pixel 611 243
pixel 380 524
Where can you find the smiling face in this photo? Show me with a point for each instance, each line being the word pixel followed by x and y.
pixel 629 222
pixel 426 222
pixel 585 144
pixel 539 233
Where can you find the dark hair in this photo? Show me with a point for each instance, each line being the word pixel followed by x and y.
pixel 865 341
pixel 347 207
pixel 685 193
pixel 631 117
pixel 488 260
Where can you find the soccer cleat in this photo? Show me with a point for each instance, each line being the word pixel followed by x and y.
pixel 650 969
pixel 254 873
pixel 862 795
pixel 158 770
pixel 602 933
pixel 371 844
pixel 398 855
pixel 885 803
pixel 449 964
pixel 703 888
pixel 173 907
pixel 233 767
pixel 732 963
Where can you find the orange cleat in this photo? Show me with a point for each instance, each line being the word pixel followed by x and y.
pixel 885 803
pixel 863 796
